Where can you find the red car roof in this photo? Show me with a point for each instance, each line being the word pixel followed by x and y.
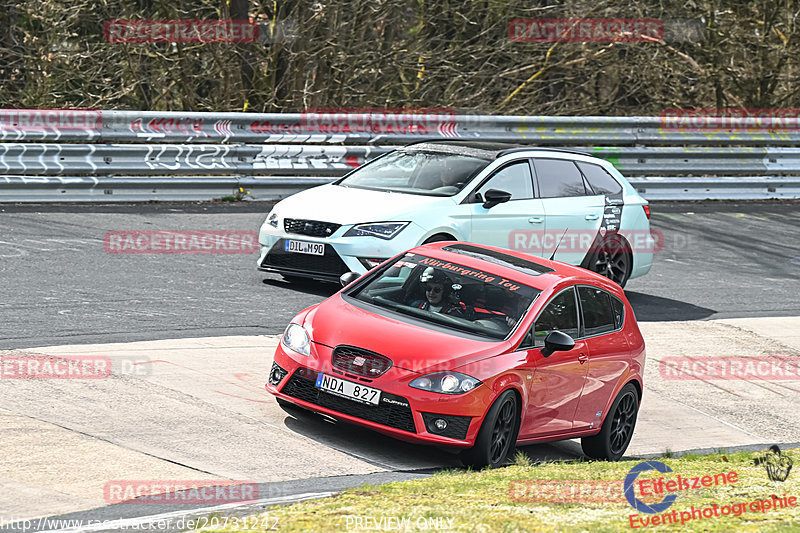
pixel 553 272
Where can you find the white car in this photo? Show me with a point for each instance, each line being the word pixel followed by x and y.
pixel 550 203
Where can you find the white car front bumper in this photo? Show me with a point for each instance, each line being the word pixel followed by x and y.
pixel 342 254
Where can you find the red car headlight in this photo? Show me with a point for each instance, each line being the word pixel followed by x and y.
pixel 296 339
pixel 445 383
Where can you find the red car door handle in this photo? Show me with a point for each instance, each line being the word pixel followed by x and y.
pixel 583 358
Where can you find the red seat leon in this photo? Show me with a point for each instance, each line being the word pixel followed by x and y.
pixel 471 346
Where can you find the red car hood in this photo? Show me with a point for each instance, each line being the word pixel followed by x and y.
pixel 412 347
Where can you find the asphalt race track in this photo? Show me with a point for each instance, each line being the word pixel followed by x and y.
pixel 199 330
pixel 719 260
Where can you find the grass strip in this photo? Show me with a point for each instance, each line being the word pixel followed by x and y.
pixel 554 496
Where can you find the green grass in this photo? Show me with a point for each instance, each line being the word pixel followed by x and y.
pixel 481 501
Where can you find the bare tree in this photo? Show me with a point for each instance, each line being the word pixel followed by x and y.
pixel 402 53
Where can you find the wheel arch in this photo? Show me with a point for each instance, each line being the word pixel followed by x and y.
pixel 598 241
pixel 634 380
pixel 637 385
pixel 440 235
pixel 597 246
pixel 626 243
pixel 518 395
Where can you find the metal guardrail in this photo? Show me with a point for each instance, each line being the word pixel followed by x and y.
pixel 42 159
pixel 368 128
pixel 150 188
pixel 159 188
pixel 718 188
pixel 85 155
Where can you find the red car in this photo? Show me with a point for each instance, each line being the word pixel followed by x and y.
pixel 471 346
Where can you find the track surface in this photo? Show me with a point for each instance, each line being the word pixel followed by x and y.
pixel 720 260
pixel 195 409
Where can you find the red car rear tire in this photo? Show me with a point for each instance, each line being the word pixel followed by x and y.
pixel 612 441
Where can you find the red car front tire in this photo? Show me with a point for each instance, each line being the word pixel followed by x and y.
pixel 497 437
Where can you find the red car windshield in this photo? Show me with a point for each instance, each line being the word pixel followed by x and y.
pixel 448 294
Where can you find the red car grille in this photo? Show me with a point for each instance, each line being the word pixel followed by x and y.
pixel 360 362
pixel 393 411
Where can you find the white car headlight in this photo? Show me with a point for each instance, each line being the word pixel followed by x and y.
pixel 445 383
pixel 295 338
pixel 382 230
pixel 272 219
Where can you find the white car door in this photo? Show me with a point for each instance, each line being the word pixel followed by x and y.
pixel 513 224
pixel 573 212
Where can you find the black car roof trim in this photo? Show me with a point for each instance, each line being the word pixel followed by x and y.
pixel 485 149
pixel 540 149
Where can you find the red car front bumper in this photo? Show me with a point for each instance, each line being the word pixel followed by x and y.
pixel 404 412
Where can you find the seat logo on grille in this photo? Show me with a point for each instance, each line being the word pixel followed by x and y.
pixel 359 361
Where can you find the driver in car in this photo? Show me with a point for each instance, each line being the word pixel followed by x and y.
pixel 438 295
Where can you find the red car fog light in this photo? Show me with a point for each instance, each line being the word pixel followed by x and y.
pixel 276 375
pixel 455 427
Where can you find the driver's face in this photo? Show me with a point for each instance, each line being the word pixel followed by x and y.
pixel 434 292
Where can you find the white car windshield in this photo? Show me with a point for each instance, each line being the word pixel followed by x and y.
pixel 417 172
pixel 450 295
